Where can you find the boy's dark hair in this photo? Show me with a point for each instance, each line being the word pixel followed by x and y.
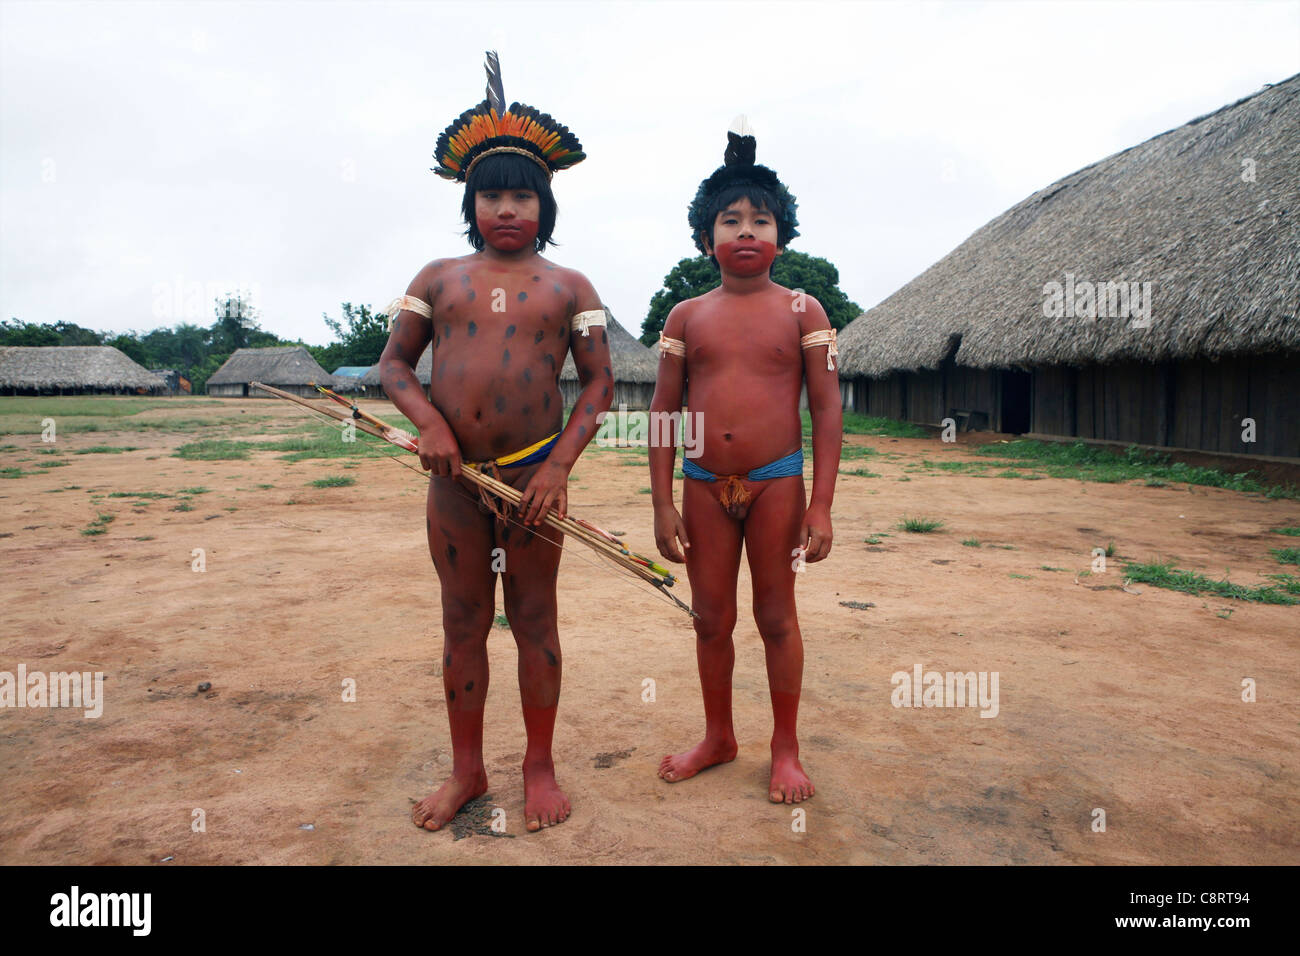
pixel 759 198
pixel 506 171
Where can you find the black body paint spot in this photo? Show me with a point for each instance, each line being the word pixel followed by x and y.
pixel 451 553
pixel 465 279
pixel 537 278
pixel 523 296
pixel 456 414
pixel 510 330
pixel 559 289
pixel 528 376
pixel 527 410
pixel 469 686
pixel 501 403
pixel 471 295
pixel 591 345
pixel 559 333
pixel 604 391
pixel 451 695
pixel 447 662
pixel 604 339
pixel 446 331
pixel 608 373
pixel 550 658
pixel 549 359
pixel 590 409
pixel 397 325
pixel 442 368
pixel 505 358
pixel 537 339
pixel 582 430
pixel 401 385
pixel 546 401
pixel 545 317
pixel 471 329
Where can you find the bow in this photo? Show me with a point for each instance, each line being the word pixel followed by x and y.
pixel 603 542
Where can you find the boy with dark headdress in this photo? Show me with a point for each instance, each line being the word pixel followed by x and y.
pixel 747 349
pixel 501 321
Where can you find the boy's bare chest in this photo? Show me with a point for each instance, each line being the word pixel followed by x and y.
pixel 764 341
pixel 530 303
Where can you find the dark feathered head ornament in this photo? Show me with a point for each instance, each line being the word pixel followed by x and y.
pixel 737 175
pixel 486 130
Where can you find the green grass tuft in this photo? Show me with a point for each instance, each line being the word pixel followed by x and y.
pixel 918 525
pixel 1167 576
pixel 334 481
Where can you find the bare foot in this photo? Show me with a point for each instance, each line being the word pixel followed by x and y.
pixel 707 753
pixel 437 808
pixel 545 804
pixel 789 784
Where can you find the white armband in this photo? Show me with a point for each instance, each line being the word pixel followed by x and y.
pixel 669 346
pixel 584 320
pixel 822 337
pixel 411 304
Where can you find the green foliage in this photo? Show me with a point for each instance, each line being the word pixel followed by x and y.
pixel 334 481
pixel 794 270
pixel 360 343
pixel 919 525
pixel 1163 575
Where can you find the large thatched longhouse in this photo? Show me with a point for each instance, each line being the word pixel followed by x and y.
pixel 1039 322
pixel 634 367
pixel 289 368
pixel 74 370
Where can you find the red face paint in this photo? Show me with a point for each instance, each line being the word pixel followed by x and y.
pixel 508 235
pixel 745 257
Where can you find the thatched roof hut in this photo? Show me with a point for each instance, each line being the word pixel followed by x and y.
pixel 289 368
pixel 73 369
pixel 1201 223
pixel 634 367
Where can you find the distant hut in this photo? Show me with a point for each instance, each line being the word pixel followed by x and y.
pixel 74 370
pixel 289 368
pixel 1037 323
pixel 347 378
pixel 634 367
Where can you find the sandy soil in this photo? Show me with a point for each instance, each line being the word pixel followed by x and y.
pixel 1127 702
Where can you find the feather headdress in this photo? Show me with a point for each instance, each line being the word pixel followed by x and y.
pixel 485 130
pixel 738 169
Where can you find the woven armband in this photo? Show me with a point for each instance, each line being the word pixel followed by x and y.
pixel 669 346
pixel 822 337
pixel 411 304
pixel 583 320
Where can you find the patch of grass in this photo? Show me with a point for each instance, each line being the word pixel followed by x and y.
pixel 1048 567
pixel 904 478
pixel 263 487
pixel 99 525
pixel 1287 582
pixel 1022 577
pixel 1163 575
pixel 501 621
pixel 862 473
pixel 918 525
pixel 1110 549
pixel 303 447
pixel 214 449
pixel 104 450
pixel 971 543
pixel 961 467
pixel 139 494
pixel 11 472
pixel 52 464
pixel 196 490
pixel 856 423
pixel 183 506
pixel 143 537
pixel 334 481
pixel 857 452
pixel 644 491
pixel 1286 555
pixel 1294 532
pixel 1088 463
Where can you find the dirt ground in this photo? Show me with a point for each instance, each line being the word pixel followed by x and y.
pixel 1127 701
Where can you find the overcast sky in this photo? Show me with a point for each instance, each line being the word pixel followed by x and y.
pixel 148 151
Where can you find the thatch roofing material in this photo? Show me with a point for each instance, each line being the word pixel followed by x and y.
pixel 630 360
pixel 1222 254
pixel 282 365
pixel 73 367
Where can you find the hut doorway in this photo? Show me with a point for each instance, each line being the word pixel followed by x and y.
pixel 1015 404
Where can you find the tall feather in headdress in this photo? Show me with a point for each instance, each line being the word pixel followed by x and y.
pixel 521 129
pixel 738 169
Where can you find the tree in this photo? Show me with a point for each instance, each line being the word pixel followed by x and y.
pixel 18 332
pixel 794 270
pixel 236 321
pixel 360 343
